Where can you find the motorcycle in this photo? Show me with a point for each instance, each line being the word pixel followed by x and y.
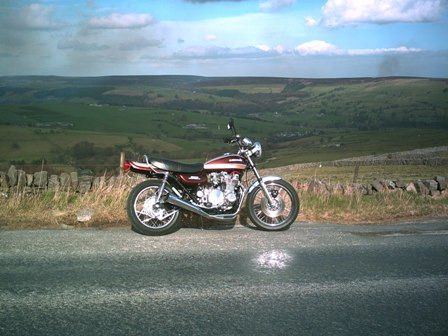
pixel 214 190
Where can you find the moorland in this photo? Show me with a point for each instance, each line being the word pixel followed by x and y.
pixel 88 121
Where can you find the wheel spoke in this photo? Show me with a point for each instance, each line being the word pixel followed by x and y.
pixel 146 214
pixel 273 215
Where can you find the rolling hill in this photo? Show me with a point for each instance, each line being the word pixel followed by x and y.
pixel 86 120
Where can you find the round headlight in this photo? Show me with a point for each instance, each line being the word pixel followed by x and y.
pixel 256 150
pixel 247 142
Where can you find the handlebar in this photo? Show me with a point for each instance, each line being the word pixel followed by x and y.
pixel 232 140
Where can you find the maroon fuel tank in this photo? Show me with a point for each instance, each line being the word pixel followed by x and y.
pixel 227 162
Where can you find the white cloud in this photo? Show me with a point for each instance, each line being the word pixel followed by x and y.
pixel 280 49
pixel 199 52
pixel 34 16
pixel 346 12
pixel 310 21
pixel 317 47
pixel 382 51
pixel 264 47
pixel 139 43
pixel 77 45
pixel 311 48
pixel 210 37
pixel 273 5
pixel 121 21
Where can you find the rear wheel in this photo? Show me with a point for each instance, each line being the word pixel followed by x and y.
pixel 147 216
pixel 279 215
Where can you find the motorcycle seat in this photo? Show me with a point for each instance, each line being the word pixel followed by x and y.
pixel 177 167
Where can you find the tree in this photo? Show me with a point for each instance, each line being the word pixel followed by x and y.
pixel 83 149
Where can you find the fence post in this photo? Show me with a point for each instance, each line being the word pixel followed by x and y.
pixel 356 173
pixel 121 162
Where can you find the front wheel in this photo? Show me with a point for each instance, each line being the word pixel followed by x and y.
pixel 147 216
pixel 279 215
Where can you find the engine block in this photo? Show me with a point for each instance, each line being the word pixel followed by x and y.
pixel 220 191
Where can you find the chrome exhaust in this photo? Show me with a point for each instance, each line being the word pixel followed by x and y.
pixel 174 200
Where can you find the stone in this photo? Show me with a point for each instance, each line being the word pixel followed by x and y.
pixel 21 179
pixel 12 176
pixel 40 179
pixel 390 185
pixel 85 183
pixel 338 189
pixel 29 180
pixel 4 183
pixel 411 187
pixel 421 188
pixel 359 188
pixel 384 183
pixel 96 183
pixel 99 182
pixel 27 190
pixel 318 187
pixel 434 192
pixel 74 180
pixel 431 184
pixel 67 227
pixel 442 182
pixel 53 183
pixel 370 190
pixel 65 180
pixel 84 215
pixel 399 184
pixel 377 186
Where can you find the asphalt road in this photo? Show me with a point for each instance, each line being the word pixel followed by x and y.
pixel 315 279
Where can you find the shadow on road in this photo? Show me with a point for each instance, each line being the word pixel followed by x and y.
pixel 193 221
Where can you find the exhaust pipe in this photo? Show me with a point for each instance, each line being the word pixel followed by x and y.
pixel 174 200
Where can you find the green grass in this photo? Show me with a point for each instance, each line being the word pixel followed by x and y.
pixel 250 88
pixel 51 209
pixel 366 174
pixel 354 143
pixel 366 116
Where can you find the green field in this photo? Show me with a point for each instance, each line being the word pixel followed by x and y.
pixel 184 117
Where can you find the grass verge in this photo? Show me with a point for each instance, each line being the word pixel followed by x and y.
pixel 379 207
pixel 56 209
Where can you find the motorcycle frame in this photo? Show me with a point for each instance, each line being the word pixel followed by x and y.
pixel 178 200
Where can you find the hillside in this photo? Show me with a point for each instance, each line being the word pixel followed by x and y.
pixel 84 120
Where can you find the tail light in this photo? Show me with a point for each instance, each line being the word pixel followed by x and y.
pixel 126 165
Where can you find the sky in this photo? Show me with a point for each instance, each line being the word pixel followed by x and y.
pixel 278 38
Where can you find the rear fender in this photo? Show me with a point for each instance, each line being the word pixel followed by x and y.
pixel 141 167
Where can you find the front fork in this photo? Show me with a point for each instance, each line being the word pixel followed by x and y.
pixel 266 193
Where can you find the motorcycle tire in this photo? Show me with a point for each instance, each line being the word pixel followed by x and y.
pixel 155 227
pixel 262 216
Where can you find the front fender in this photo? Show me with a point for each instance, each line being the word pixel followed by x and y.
pixel 264 179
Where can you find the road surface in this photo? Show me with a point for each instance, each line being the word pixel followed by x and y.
pixel 315 279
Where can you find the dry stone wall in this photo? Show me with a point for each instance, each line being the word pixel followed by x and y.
pixel 432 187
pixel 16 180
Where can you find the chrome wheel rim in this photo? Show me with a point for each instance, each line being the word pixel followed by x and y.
pixel 149 213
pixel 278 213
